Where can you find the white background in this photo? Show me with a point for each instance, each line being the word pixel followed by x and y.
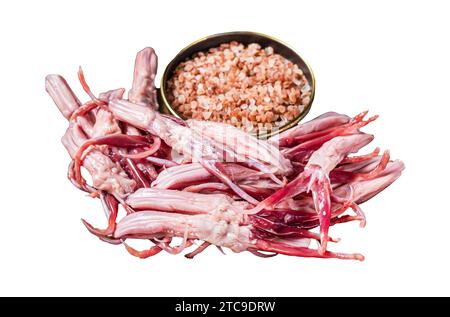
pixel 391 57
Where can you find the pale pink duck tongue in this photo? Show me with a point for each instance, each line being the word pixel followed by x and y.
pixel 64 98
pixel 306 144
pixel 143 90
pixel 320 123
pixel 178 201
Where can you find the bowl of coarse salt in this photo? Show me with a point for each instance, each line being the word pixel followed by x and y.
pixel 249 80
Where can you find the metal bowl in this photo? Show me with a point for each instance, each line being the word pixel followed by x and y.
pixel 202 45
